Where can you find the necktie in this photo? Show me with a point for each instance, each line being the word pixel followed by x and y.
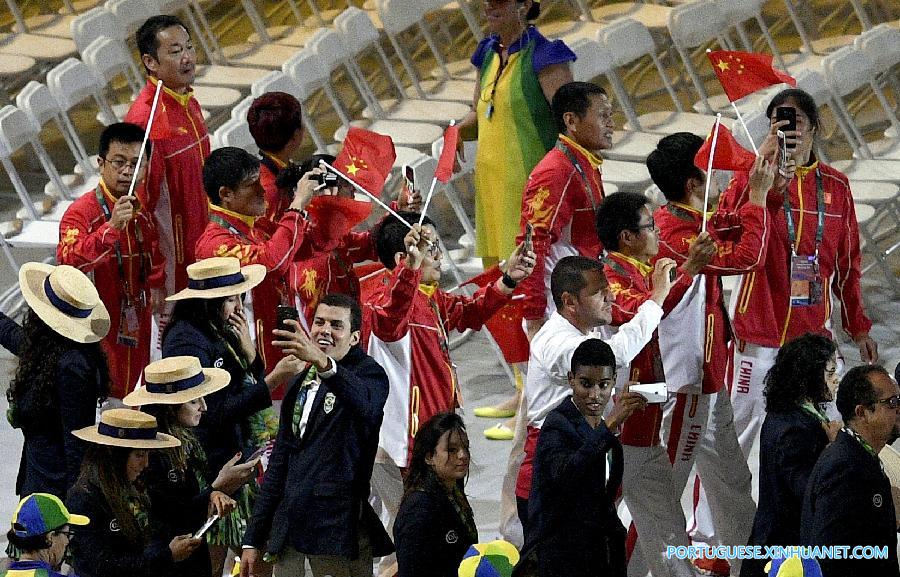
pixel 301 399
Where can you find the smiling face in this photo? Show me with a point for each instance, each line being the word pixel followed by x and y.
pixel 176 60
pixel 188 414
pixel 331 331
pixel 591 389
pixel 450 460
pixel 595 131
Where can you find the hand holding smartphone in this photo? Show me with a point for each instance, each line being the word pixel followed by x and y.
pixel 283 313
pixel 788 113
pixel 409 181
pixel 529 234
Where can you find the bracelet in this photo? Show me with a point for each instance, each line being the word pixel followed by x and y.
pixel 508 281
pixel 299 211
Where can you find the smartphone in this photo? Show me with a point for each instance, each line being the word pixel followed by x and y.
pixel 206 526
pixel 409 180
pixel 283 313
pixel 653 392
pixel 782 153
pixel 672 274
pixel 529 233
pixel 256 455
pixel 788 113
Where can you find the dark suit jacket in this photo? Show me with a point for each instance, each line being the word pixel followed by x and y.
pixel 223 430
pixel 314 497
pixel 431 537
pixel 573 525
pixel 101 549
pixel 848 502
pixel 790 445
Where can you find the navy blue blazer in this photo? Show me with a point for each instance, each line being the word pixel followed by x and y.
pixel 223 430
pixel 314 497
pixel 848 502
pixel 573 525
pixel 790 444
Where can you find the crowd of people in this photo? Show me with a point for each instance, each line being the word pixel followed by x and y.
pixel 220 386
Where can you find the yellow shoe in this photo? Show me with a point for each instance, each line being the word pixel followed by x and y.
pixel 494 413
pixel 499 433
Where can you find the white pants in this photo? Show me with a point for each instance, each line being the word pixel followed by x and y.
pixel 387 492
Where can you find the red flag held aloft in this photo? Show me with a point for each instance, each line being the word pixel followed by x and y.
pixel 366 159
pixel 743 73
pixel 444 169
pixel 729 154
pixel 506 324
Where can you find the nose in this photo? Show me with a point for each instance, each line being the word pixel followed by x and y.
pixel 202 405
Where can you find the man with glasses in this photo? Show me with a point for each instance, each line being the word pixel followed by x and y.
pixel 111 234
pixel 174 192
pixel 631 239
pixel 848 498
pixel 41 533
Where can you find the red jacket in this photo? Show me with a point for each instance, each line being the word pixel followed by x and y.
pixel 276 201
pixel 406 327
pixel 232 234
pixel 174 191
pixel 88 243
pixel 679 225
pixel 557 205
pixel 763 314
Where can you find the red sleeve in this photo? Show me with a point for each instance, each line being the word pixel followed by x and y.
pixel 78 246
pixel 157 277
pixel 628 297
pixel 462 312
pixel 545 207
pixel 361 246
pixel 276 253
pixel 846 277
pixel 390 318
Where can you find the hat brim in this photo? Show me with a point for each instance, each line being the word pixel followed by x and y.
pixel 79 520
pixel 253 275
pixel 162 440
pixel 90 329
pixel 214 380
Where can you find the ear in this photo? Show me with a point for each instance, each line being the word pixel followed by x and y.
pixel 693 184
pixel 225 193
pixel 571 378
pixel 429 459
pixel 625 237
pixel 150 63
pixel 860 412
pixel 569 119
pixel 568 299
pixel 354 338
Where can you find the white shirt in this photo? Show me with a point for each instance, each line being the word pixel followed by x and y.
pixel 547 383
pixel 311 395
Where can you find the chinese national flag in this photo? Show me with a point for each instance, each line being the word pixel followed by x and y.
pixel 372 278
pixel 366 159
pixel 743 73
pixel 729 154
pixel 506 324
pixel 444 169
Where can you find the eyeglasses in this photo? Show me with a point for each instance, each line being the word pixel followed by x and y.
pixel 69 534
pixel 891 402
pixel 434 249
pixel 119 164
pixel 649 226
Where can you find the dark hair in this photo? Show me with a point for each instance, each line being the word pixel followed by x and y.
pixel 123 133
pixel 228 166
pixel 103 470
pixel 534 11
pixel 804 101
pixel 897 373
pixel 573 97
pixel 30 544
pixel 345 302
pixel 146 36
pixel 856 389
pixel 593 353
pixel 568 276
pixel 799 373
pixel 206 316
pixel 671 165
pixel 618 212
pixel 389 235
pixel 425 443
pixel 33 390
pixel 273 118
pixel 167 422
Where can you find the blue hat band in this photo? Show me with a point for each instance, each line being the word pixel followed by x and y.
pixel 62 305
pixel 216 281
pixel 130 433
pixel 176 386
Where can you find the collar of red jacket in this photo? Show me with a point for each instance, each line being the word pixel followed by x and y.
pixel 694 213
pixel 594 160
pixel 802 171
pixel 278 162
pixel 232 217
pixel 628 262
pixel 181 99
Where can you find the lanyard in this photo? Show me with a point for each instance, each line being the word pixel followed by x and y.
pixel 445 339
pixel 820 211
pixel 120 262
pixel 584 179
pixel 862 441
pixel 812 410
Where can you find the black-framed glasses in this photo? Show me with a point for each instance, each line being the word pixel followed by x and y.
pixel 891 402
pixel 68 533
pixel 119 163
pixel 649 226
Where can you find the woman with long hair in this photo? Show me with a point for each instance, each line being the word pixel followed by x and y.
pixel 122 537
pixel 794 434
pixel 61 376
pixel 435 525
pixel 177 479
pixel 209 322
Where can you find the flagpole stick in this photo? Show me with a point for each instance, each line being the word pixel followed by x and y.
pixel 377 200
pixel 712 155
pixel 427 200
pixel 746 130
pixel 159 87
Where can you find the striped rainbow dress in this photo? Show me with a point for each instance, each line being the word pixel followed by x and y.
pixel 515 131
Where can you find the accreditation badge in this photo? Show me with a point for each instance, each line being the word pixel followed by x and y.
pixel 806 283
pixel 129 327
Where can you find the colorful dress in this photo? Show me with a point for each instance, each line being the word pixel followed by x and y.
pixel 515 131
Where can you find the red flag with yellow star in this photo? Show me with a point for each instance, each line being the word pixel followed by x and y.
pixel 506 324
pixel 743 73
pixel 366 159
pixel 729 155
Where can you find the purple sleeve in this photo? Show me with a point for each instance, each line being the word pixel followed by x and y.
pixel 481 51
pixel 549 52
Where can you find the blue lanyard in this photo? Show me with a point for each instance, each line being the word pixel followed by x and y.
pixel 820 211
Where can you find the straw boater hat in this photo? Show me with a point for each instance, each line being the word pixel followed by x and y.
pixel 127 428
pixel 66 300
pixel 176 380
pixel 220 276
